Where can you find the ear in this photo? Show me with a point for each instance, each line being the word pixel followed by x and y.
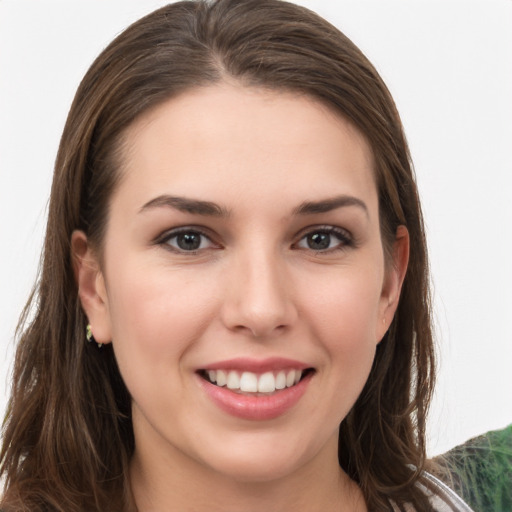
pixel 393 280
pixel 91 287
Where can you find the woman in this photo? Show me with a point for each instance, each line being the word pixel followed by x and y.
pixel 233 312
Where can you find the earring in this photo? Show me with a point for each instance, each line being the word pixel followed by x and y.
pixel 89 336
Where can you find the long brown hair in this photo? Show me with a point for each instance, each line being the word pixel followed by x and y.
pixel 68 435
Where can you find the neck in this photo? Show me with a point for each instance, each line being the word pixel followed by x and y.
pixel 176 482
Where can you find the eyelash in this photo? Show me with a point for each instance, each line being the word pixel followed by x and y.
pixel 344 238
pixel 166 237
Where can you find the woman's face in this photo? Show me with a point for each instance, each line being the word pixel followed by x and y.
pixel 242 253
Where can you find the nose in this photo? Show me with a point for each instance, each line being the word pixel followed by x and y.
pixel 259 296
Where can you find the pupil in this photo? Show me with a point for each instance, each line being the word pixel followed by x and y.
pixel 319 241
pixel 189 241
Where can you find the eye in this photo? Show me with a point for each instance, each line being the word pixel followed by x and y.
pixel 186 240
pixel 325 239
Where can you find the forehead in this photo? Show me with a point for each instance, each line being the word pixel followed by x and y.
pixel 212 140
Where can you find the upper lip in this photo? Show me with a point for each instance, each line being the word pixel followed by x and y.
pixel 257 365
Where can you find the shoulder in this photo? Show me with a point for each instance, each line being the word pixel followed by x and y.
pixel 440 496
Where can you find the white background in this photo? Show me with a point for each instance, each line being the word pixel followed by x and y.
pixel 448 65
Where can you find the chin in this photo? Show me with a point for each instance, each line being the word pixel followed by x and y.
pixel 249 471
pixel 249 461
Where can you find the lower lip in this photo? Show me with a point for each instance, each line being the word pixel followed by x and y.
pixel 263 407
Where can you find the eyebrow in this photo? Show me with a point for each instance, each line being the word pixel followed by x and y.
pixel 183 204
pixel 208 208
pixel 327 205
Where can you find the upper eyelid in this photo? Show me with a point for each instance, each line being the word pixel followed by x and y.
pixel 172 232
pixel 206 232
pixel 164 241
pixel 324 227
pixel 344 236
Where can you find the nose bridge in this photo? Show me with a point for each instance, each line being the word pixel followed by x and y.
pixel 259 299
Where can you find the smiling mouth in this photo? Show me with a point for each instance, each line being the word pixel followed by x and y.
pixel 255 383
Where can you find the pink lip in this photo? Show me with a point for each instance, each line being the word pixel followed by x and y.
pixel 257 365
pixel 263 407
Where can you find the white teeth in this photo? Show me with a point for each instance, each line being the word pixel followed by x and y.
pixel 267 383
pixel 249 382
pixel 221 378
pixel 233 381
pixel 281 380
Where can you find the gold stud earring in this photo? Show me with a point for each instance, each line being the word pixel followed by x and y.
pixel 90 337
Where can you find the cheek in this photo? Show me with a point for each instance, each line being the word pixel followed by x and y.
pixel 345 307
pixel 344 316
pixel 341 315
pixel 156 315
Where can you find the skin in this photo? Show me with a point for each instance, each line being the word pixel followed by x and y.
pixel 255 288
